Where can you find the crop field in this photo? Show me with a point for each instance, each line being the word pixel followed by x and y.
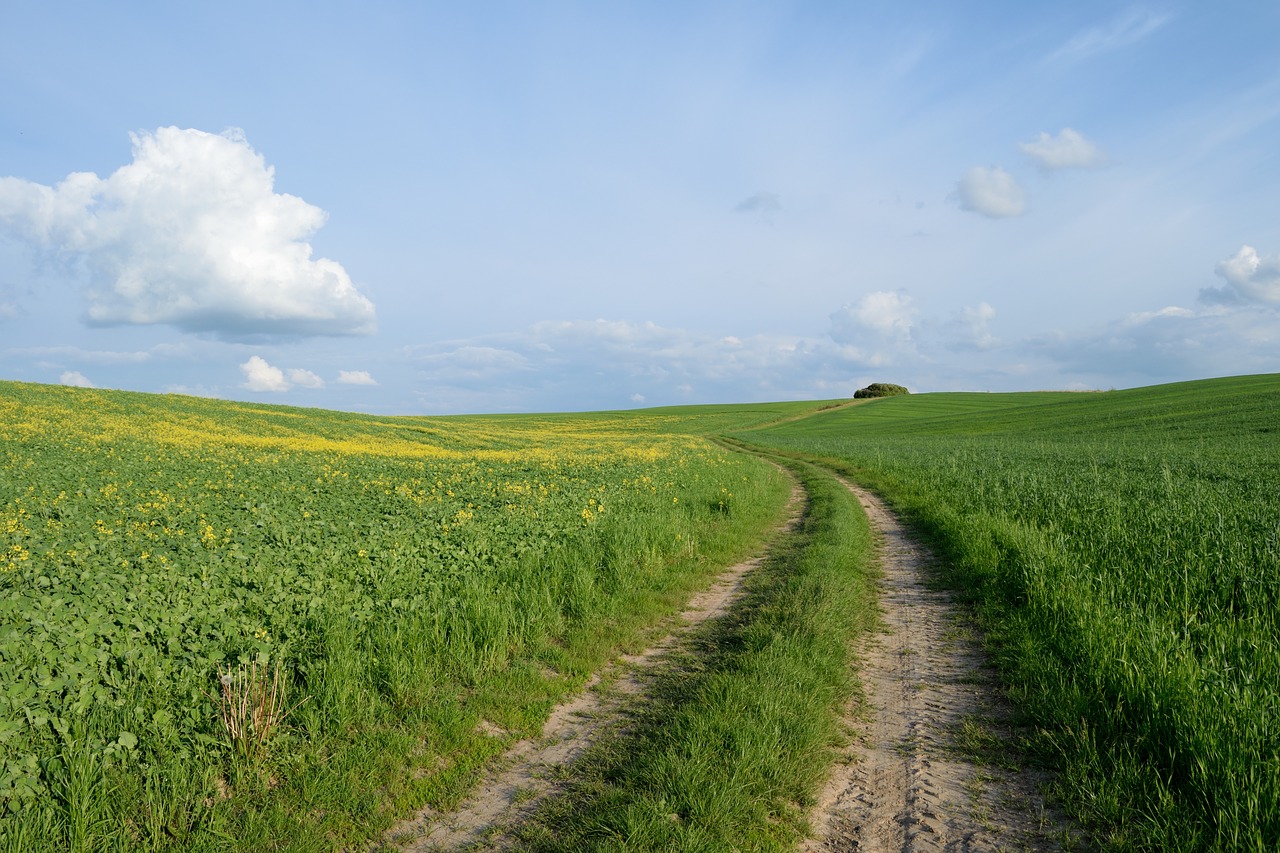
pixel 224 624
pixel 1123 550
pixel 235 627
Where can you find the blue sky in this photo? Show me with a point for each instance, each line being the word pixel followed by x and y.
pixel 445 208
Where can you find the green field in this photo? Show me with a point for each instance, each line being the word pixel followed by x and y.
pixel 407 577
pixel 414 585
pixel 1123 549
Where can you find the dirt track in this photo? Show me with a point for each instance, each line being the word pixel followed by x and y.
pixel 910 780
pixel 525 776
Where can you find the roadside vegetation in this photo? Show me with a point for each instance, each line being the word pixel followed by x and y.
pixel 741 731
pixel 1123 552
pixel 238 627
pixel 226 626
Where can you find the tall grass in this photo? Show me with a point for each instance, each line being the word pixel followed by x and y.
pixel 425 588
pixel 728 753
pixel 1124 552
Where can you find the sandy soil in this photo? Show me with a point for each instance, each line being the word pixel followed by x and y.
pixel 526 774
pixel 909 781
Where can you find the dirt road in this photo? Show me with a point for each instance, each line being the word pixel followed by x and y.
pixel 915 778
pixel 927 768
pixel 526 775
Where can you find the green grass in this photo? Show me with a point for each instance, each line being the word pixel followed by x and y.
pixel 412 577
pixel 1123 550
pixel 728 754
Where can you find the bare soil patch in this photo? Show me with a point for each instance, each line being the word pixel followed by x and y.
pixel 929 769
pixel 529 772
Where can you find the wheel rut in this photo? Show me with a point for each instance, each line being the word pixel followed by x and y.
pixel 526 776
pixel 929 769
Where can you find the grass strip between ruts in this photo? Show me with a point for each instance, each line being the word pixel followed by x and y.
pixel 729 751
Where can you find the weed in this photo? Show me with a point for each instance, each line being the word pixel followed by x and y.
pixel 251 706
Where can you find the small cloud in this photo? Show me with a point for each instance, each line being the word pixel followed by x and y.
pixel 261 376
pixel 76 379
pixel 990 191
pixel 1068 150
pixel 766 204
pixel 191 234
pixel 355 377
pixel 1250 278
pixel 305 378
pixel 638 399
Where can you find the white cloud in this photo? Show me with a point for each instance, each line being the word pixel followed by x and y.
pixel 888 312
pixel 474 363
pixel 192 233
pixel 261 376
pixel 76 379
pixel 1133 26
pixel 975 326
pixel 554 365
pixel 876 330
pixel 1068 150
pixel 356 377
pixel 1165 345
pixel 304 378
pixel 991 191
pixel 1250 278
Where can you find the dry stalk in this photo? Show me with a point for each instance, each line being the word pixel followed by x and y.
pixel 251 706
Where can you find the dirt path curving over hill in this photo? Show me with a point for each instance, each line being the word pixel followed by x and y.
pixel 929 770
pixel 526 774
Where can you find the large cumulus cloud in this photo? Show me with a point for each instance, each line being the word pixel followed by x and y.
pixel 192 234
pixel 1249 277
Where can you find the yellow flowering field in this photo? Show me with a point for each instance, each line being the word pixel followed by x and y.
pixel 394 571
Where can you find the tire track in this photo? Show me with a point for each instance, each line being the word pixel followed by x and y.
pixel 525 777
pixel 906 784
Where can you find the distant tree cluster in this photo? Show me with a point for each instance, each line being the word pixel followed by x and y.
pixel 879 389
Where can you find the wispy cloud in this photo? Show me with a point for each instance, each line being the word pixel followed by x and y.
pixel 356 377
pixel 1133 26
pixel 763 204
pixel 72 353
pixel 1068 150
pixel 305 378
pixel 76 379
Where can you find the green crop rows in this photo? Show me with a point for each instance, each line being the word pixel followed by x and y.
pixel 1124 550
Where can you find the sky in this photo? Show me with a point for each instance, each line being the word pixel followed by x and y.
pixel 445 208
